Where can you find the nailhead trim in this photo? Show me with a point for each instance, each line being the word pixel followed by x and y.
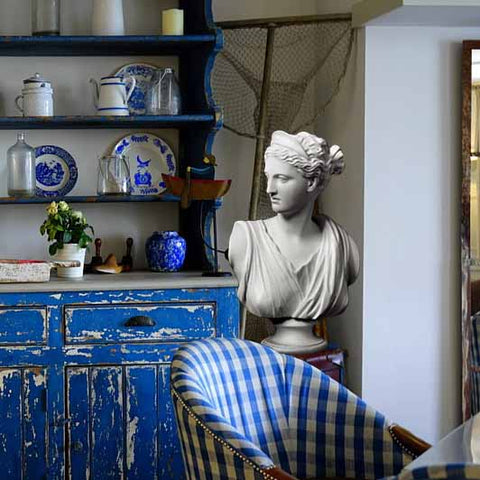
pixel 400 443
pixel 263 471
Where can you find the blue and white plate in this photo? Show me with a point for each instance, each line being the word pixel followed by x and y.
pixel 143 75
pixel 149 156
pixel 56 171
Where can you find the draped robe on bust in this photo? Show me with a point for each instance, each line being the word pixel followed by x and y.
pixel 272 287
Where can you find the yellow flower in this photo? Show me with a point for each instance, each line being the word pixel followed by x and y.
pixel 52 209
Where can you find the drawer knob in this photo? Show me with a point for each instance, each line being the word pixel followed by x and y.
pixel 78 446
pixel 140 321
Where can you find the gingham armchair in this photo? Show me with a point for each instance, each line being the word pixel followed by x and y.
pixel 245 411
pixel 453 471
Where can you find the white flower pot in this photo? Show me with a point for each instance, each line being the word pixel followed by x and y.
pixel 70 251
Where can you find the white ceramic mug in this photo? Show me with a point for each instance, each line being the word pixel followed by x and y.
pixel 36 103
pixel 107 17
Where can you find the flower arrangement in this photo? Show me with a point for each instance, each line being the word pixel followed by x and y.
pixel 65 225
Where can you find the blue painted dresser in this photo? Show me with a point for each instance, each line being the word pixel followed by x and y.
pixel 84 372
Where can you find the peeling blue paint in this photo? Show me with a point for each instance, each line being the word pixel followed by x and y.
pixel 82 393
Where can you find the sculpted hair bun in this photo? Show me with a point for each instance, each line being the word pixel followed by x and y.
pixel 336 159
pixel 328 159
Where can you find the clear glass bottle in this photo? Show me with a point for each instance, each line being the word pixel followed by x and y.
pixel 45 17
pixel 163 96
pixel 21 168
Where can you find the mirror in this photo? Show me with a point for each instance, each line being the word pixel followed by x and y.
pixel 470 228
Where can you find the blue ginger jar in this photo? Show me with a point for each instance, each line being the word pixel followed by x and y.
pixel 165 251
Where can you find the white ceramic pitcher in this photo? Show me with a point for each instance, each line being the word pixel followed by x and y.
pixel 111 97
pixel 107 17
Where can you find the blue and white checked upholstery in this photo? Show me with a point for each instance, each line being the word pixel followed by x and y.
pixel 454 471
pixel 243 409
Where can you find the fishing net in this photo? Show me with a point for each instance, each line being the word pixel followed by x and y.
pixel 279 75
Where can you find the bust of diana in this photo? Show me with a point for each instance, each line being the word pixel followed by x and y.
pixel 295 268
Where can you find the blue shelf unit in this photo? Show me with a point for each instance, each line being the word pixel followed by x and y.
pixel 196 51
pixel 194 120
pixel 91 199
pixel 71 46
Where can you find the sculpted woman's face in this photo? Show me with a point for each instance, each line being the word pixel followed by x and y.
pixel 288 189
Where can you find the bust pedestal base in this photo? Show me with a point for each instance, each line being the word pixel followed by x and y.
pixel 295 337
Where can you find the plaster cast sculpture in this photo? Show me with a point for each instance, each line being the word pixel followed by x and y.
pixel 295 268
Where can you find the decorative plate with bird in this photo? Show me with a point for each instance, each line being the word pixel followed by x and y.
pixel 148 157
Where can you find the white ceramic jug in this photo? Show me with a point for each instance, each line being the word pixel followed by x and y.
pixel 111 97
pixel 37 97
pixel 107 17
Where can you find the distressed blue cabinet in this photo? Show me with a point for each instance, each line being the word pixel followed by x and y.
pixel 118 422
pixel 84 372
pixel 121 422
pixel 23 423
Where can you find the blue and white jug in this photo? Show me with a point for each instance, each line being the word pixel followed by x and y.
pixel 111 97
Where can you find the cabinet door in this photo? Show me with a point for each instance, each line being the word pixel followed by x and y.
pixel 121 424
pixel 23 423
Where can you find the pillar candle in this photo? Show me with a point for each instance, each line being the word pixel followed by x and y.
pixel 172 22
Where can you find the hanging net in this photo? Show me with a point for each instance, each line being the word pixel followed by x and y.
pixel 307 62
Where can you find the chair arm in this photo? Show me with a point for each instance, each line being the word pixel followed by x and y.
pixel 276 473
pixel 407 441
pixel 230 438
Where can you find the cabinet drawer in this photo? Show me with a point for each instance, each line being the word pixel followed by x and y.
pixel 122 323
pixel 23 326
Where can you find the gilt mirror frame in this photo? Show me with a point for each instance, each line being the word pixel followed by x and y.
pixel 469 263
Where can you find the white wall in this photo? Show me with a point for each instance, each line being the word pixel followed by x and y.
pixel 141 16
pixel 411 326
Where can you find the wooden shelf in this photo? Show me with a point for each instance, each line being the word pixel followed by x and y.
pixel 95 121
pixel 83 45
pixel 92 199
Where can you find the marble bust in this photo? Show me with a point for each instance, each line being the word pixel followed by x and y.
pixel 295 268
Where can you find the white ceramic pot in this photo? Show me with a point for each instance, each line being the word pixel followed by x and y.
pixel 107 17
pixel 70 251
pixel 36 97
